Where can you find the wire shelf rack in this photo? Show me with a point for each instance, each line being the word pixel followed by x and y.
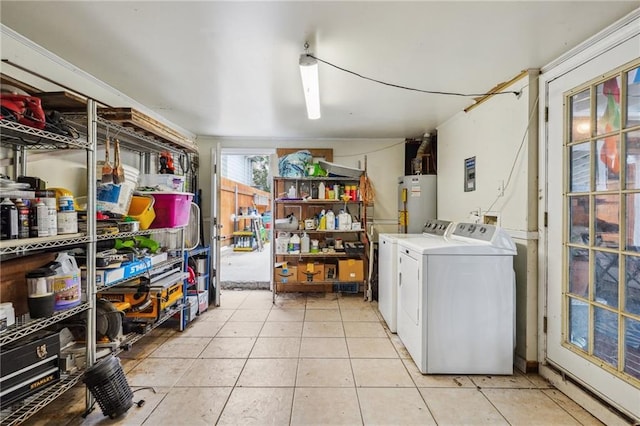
pixel 20 135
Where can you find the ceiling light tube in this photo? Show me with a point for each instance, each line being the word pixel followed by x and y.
pixel 310 85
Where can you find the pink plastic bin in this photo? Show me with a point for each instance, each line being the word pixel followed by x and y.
pixel 172 209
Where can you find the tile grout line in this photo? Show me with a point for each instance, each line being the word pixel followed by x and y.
pixel 353 374
pixel 295 383
pixel 246 360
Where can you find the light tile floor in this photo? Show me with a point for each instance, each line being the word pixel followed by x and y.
pixel 307 359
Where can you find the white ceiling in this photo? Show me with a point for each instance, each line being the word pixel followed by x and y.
pixel 231 68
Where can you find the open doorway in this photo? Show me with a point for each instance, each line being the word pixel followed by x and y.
pixel 245 216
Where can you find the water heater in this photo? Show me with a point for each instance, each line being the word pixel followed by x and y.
pixel 416 202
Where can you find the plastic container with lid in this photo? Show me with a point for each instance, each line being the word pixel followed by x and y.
pixel 7 315
pixel 173 209
pixel 344 221
pixel 331 220
pixel 305 242
pixel 40 292
pixel 294 244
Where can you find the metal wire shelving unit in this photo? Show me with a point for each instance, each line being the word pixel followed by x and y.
pixel 24 138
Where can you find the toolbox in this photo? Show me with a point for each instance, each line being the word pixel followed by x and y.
pixel 28 365
pixel 147 301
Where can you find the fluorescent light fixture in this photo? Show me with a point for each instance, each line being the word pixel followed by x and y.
pixel 310 85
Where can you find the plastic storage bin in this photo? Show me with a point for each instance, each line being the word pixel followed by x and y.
pixel 141 209
pixel 163 182
pixel 173 209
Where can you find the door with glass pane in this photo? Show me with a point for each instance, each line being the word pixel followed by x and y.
pixel 594 236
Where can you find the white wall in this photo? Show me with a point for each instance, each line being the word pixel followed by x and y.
pixel 385 162
pixel 501 134
pixel 492 132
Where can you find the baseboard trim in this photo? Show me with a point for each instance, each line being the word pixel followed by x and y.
pixel 598 408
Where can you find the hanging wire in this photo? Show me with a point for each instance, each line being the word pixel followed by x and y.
pixel 515 159
pixel 398 86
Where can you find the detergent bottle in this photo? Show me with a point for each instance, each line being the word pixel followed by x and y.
pixel 344 221
pixel 322 222
pixel 331 220
pixel 294 244
pixel 321 190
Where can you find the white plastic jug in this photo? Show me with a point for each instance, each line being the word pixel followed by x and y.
pixel 330 220
pixel 282 242
pixel 294 244
pixel 344 221
pixel 305 241
pixel 292 192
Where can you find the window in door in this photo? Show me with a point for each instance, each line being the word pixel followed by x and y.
pixel 602 227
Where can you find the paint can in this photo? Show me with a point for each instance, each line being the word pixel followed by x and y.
pixel 65 203
pixel 67 222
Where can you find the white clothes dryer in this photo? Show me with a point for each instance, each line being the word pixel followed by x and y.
pixel 388 267
pixel 456 301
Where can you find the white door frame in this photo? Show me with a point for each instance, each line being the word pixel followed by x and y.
pixel 214 224
pixel 604 52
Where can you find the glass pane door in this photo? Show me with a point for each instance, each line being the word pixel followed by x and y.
pixel 602 232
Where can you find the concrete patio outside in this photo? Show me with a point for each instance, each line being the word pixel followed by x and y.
pixel 248 270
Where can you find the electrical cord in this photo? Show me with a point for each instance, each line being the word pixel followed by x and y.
pixel 515 160
pixel 370 152
pixel 398 86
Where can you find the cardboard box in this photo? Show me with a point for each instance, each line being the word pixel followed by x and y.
pixel 286 273
pixel 351 270
pixel 331 271
pixel 310 272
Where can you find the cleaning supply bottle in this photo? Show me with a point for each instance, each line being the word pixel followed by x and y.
pixel 331 220
pixel 305 241
pixel 322 222
pixel 321 190
pixel 344 221
pixel 292 192
pixel 294 244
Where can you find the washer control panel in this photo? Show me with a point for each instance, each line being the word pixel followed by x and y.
pixel 476 231
pixel 436 227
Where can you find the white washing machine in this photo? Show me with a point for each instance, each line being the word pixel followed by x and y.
pixel 456 301
pixel 388 267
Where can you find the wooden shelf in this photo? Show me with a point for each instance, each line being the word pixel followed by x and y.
pixel 315 286
pixel 313 201
pixel 321 231
pixel 129 117
pixel 62 101
pixel 321 287
pixel 334 254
